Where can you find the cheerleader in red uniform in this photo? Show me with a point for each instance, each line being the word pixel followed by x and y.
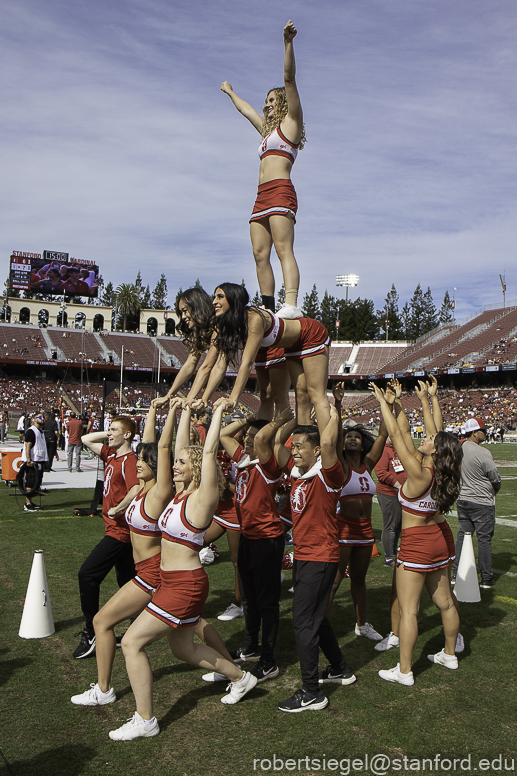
pixel 273 218
pixel 360 453
pixel 178 602
pixel 430 490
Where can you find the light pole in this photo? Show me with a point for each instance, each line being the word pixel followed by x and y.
pixel 502 278
pixel 348 281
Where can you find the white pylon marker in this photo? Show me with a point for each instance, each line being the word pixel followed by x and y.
pixel 37 622
pixel 467 585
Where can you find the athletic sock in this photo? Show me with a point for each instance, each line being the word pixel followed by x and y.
pixel 291 296
pixel 268 302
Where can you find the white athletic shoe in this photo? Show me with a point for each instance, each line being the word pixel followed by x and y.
pixel 389 642
pixel 289 312
pixel 136 727
pixel 367 631
pixel 238 690
pixel 231 613
pixel 396 675
pixel 94 697
pixel 449 661
pixel 214 676
pixel 460 643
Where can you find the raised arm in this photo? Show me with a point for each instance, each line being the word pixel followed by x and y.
pixel 293 122
pixel 328 439
pixel 338 392
pixel 183 432
pixel 228 433
pixel 264 439
pixel 243 107
pixel 207 495
pixel 435 404
pixel 402 420
pixel 374 456
pixel 412 466
pixel 95 441
pixel 149 434
pixel 422 393
pixel 164 488
pixel 281 451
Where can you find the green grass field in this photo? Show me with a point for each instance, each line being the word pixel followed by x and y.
pixel 452 714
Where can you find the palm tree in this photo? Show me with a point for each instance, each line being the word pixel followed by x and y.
pixel 128 301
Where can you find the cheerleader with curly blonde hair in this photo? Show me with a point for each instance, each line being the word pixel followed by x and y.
pixel 274 215
pixel 177 605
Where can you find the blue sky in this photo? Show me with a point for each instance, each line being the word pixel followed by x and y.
pixel 118 146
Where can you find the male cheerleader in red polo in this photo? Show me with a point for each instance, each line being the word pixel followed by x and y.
pixel 261 544
pixel 316 481
pixel 114 549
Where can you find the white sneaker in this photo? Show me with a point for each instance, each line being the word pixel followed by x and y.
pixel 136 727
pixel 214 676
pixel 396 675
pixel 389 642
pixel 460 643
pixel 231 613
pixel 289 312
pixel 367 631
pixel 449 661
pixel 94 697
pixel 238 690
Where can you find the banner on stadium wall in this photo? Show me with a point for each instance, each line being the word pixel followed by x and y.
pixel 509 367
pixel 402 374
pixel 419 374
pixel 494 368
pixel 390 376
pixel 54 273
pixel 453 371
pixel 466 370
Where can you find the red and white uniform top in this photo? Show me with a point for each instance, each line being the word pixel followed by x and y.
pixel 422 506
pixel 276 144
pixel 255 488
pixel 137 518
pixel 359 484
pixel 119 478
pixel 175 527
pixel 275 332
pixel 314 498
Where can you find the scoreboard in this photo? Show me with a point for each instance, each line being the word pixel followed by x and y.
pixel 21 264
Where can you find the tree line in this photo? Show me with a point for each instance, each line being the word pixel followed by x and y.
pixel 358 319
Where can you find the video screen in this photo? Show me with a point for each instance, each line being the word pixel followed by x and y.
pixel 54 273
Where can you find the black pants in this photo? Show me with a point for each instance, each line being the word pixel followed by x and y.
pixel 312 586
pixel 107 554
pixel 51 452
pixel 260 564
